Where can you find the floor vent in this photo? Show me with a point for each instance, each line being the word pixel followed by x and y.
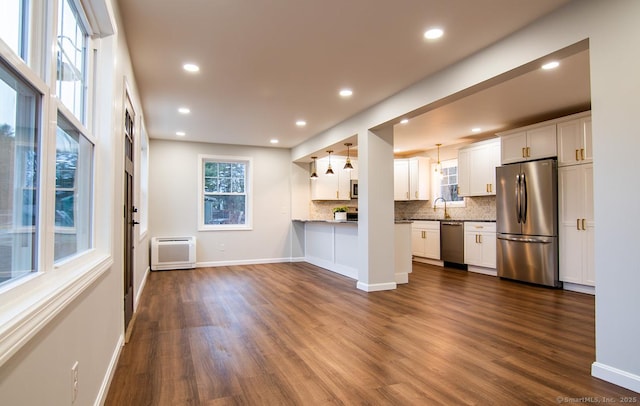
pixel 173 253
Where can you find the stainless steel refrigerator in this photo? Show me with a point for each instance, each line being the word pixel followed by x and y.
pixel 527 222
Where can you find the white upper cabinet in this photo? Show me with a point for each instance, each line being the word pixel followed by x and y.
pixel 529 144
pixel 411 179
pixel 574 142
pixel 331 187
pixel 477 168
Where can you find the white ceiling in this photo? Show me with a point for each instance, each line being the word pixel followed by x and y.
pixel 266 64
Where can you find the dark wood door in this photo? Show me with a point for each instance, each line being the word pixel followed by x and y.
pixel 129 210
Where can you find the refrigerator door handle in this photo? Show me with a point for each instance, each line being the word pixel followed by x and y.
pixel 518 197
pixel 523 198
pixel 525 239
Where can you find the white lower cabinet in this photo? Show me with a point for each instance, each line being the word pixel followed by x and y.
pixel 480 244
pixel 576 231
pixel 425 239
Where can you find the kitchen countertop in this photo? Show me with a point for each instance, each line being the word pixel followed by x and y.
pixel 452 220
pixel 346 221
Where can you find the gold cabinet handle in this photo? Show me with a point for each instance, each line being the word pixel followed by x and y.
pixel 416 194
pixel 578 224
pixel 337 194
pixel 476 238
pixel 582 153
pixel 480 238
pixel 524 154
pixel 423 234
pixel 407 195
pixel 577 154
pixel 528 152
pixel 583 224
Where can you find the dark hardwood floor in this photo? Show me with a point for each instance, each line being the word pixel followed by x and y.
pixel 296 334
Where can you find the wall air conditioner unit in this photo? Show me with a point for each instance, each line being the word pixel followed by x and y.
pixel 173 253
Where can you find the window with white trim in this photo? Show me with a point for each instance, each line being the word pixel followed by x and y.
pixel 20 111
pixel 225 185
pixel 445 184
pixel 71 72
pixel 74 178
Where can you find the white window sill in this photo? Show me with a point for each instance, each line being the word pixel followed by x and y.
pixel 29 304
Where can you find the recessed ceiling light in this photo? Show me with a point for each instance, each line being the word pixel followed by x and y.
pixel 346 92
pixel 191 67
pixel 274 141
pixel 404 121
pixel 301 123
pixel 184 110
pixel 551 65
pixel 476 130
pixel 433 33
pixel 180 133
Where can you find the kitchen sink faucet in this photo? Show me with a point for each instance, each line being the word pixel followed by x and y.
pixel 446 215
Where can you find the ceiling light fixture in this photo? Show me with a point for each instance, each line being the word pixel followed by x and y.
pixel 329 170
pixel 346 92
pixel 433 33
pixel 274 141
pixel 476 130
pixel 301 123
pixel 314 175
pixel 347 165
pixel 438 169
pixel 191 67
pixel 551 65
pixel 180 133
pixel 404 121
pixel 184 110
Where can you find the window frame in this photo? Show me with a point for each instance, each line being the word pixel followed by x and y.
pixel 248 161
pixel 436 184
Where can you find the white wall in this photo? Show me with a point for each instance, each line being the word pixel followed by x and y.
pixel 88 329
pixel 173 192
pixel 613 32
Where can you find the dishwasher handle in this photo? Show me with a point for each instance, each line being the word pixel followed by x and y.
pixel 457 223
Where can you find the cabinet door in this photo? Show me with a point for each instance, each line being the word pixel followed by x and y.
pixel 571 235
pixel 541 142
pixel 587 157
pixel 514 147
pixel 482 174
pixel 401 179
pixel 417 241
pixel 344 179
pixel 472 249
pixel 488 246
pixel 570 137
pixel 464 172
pixel 419 178
pixel 325 187
pixel 432 245
pixel 589 275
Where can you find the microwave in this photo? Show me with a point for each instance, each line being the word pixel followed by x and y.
pixel 354 189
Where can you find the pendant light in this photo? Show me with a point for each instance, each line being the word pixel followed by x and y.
pixel 438 169
pixel 314 175
pixel 348 166
pixel 329 170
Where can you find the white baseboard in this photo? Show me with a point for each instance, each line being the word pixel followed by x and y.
pixel 482 270
pixel 343 270
pixel 139 293
pixel 375 287
pixel 402 277
pixel 616 376
pixel 574 287
pixel 435 262
pixel 111 370
pixel 243 262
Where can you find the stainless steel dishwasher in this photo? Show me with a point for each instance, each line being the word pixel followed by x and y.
pixel 452 242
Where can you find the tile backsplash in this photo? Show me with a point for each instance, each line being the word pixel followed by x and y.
pixel 476 208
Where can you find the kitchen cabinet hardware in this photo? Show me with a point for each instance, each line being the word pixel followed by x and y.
pixel 577 154
pixel 583 224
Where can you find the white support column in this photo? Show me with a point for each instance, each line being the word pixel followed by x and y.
pixel 375 211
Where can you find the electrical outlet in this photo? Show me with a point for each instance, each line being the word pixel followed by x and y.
pixel 74 382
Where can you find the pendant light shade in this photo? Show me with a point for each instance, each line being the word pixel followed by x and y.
pixel 329 170
pixel 347 165
pixel 314 175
